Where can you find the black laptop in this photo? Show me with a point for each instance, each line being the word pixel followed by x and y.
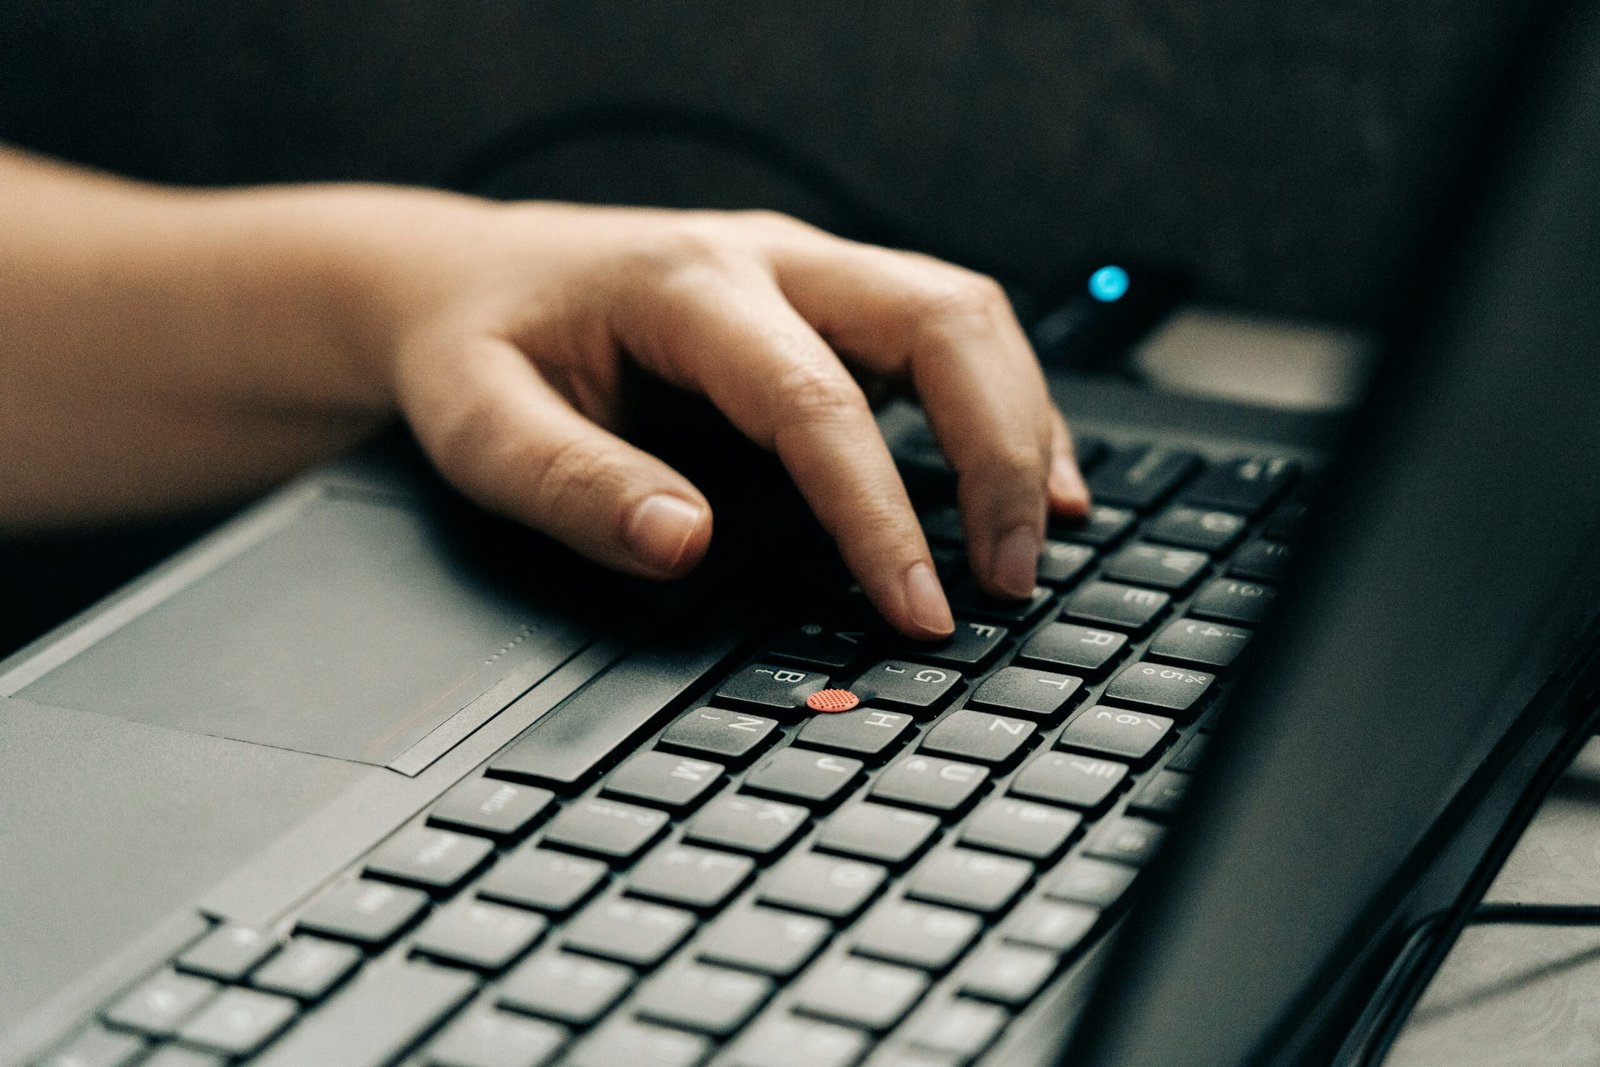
pixel 366 778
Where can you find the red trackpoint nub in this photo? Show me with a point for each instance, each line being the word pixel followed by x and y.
pixel 830 700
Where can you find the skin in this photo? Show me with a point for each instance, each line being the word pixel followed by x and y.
pixel 164 349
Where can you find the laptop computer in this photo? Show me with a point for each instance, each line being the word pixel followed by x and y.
pixel 364 778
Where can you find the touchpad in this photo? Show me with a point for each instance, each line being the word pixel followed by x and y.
pixel 354 631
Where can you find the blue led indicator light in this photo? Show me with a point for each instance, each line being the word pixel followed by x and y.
pixel 1108 284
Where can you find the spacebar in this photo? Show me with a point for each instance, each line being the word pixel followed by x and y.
pixel 569 743
pixel 380 1015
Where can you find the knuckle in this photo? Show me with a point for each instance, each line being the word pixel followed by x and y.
pixel 565 473
pixel 775 223
pixel 815 393
pixel 1013 462
pixel 959 294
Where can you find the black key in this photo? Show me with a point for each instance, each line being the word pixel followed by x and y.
pixel 931 783
pixel 815 644
pixel 1074 649
pixel 1126 840
pixel 1061 563
pixel 1289 521
pixel 1209 531
pixel 99 1047
pixel 771 688
pixel 1247 485
pixel 1190 755
pixel 729 737
pixel 1231 600
pixel 913 687
pixel 816 779
pixel 1021 828
pixel 971 646
pixel 822 885
pixel 1103 527
pixel 564 987
pixel 489 1038
pixel 227 953
pixel 866 733
pixel 1132 736
pixel 429 858
pixel 1207 644
pixel 1159 795
pixel 375 1018
pixel 501 810
pixel 784 1040
pixel 1141 478
pixel 1177 690
pixel 860 993
pixel 979 737
pixel 238 1022
pixel 307 968
pixel 776 943
pixel 956 1028
pixel 690 877
pixel 1068 778
pixel 160 1004
pixel 1006 974
pixel 476 934
pixel 623 1041
pixel 747 824
pixel 975 881
pixel 943 526
pixel 1110 604
pixel 367 913
pixel 1052 926
pixel 877 833
pixel 664 780
pixel 1089 451
pixel 1024 691
pixel 567 746
pixel 628 931
pixel 607 829
pixel 915 935
pixel 706 1000
pixel 968 598
pixel 540 878
pixel 1262 560
pixel 1089 881
pixel 1174 569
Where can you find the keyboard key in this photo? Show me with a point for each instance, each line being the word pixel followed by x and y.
pixel 979 737
pixel 564 987
pixel 867 733
pixel 1231 600
pixel 930 782
pixel 729 737
pixel 1006 974
pixel 957 1028
pixel 488 1038
pixel 227 953
pixel 1062 563
pixel 429 858
pixel 1126 840
pixel 775 943
pixel 490 808
pixel 822 885
pixel 367 913
pixel 820 645
pixel 1288 522
pixel 539 878
pixel 485 937
pixel 625 1042
pixel 943 526
pixel 859 993
pixel 664 780
pixel 1074 649
pixel 1089 881
pixel 815 779
pixel 1024 691
pixel 1132 736
pixel 99 1047
pixel 968 598
pixel 1266 561
pixel 877 833
pixel 1068 778
pixel 747 824
pixel 1111 604
pixel 690 877
pixel 239 1022
pixel 180 1056
pixel 1190 755
pixel 909 686
pixel 1140 478
pixel 915 935
pixel 971 646
pixel 1247 485
pixel 1208 531
pixel 1177 690
pixel 607 829
pixel 1173 569
pixel 1020 828
pixel 628 931
pixel 975 881
pixel 160 1004
pixel 1103 527
pixel 771 688
pixel 307 968
pixel 784 1041
pixel 706 1000
pixel 1205 644
pixel 1055 927
pixel 1159 796
pixel 375 1018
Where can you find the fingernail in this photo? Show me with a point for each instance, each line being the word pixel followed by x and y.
pixel 925 600
pixel 1016 561
pixel 659 530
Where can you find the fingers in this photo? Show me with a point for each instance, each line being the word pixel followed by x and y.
pixel 505 437
pixel 1069 494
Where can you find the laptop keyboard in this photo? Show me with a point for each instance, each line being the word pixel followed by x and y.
pixel 674 868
